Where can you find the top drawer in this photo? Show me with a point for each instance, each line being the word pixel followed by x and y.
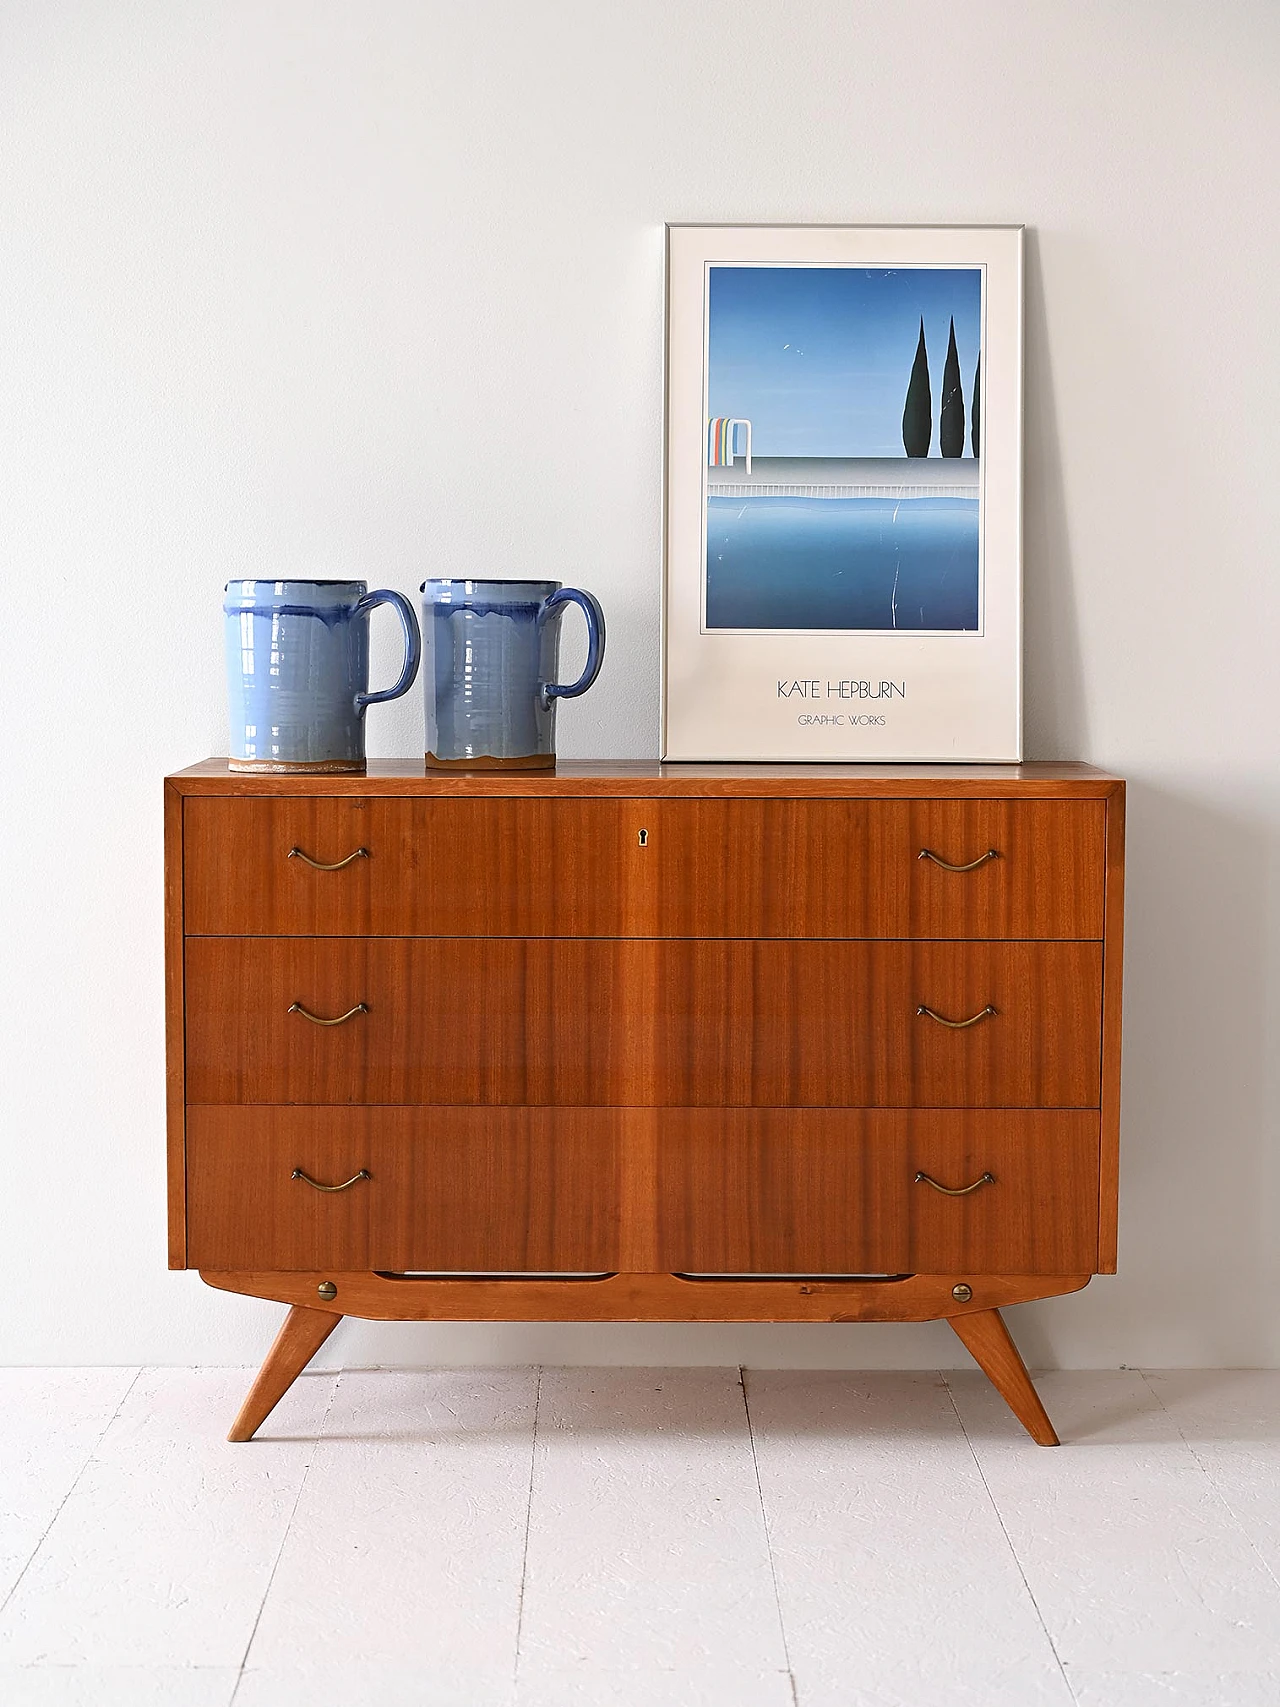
pixel 565 866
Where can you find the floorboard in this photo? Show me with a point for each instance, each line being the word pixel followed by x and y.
pixel 897 1582
pixel 53 1420
pixel 117 1686
pixel 627 1461
pixel 401 1573
pixel 1231 1422
pixel 161 1554
pixel 1137 1565
pixel 639 1538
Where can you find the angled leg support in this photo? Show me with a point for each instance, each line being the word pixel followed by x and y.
pixel 989 1342
pixel 303 1333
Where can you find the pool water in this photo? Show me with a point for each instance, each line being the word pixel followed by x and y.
pixel 842 563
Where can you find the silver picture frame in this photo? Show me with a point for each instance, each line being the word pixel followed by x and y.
pixel 843 494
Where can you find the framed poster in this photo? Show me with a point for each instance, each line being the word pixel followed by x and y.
pixel 843 551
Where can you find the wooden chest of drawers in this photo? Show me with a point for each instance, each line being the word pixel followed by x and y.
pixel 644 1042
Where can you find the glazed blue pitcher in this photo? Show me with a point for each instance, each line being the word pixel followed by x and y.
pixel 298 671
pixel 490 652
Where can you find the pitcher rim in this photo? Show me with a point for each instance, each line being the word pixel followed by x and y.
pixel 291 581
pixel 486 581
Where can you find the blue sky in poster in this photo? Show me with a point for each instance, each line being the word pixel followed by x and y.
pixel 818 358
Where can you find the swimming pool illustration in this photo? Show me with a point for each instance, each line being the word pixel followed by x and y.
pixel 842 563
pixel 843 485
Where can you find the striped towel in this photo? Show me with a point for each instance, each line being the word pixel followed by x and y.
pixel 720 437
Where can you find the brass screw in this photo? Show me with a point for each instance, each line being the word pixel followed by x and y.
pixel 327 1289
pixel 962 1293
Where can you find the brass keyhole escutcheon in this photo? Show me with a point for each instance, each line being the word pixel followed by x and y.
pixel 962 1293
pixel 327 1290
pixel 644 838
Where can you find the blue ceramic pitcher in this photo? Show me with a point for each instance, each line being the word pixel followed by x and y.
pixel 490 653
pixel 298 671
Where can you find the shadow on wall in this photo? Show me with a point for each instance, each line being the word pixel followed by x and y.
pixel 1200 1164
pixel 1200 1161
pixel 1055 716
pixel 1199 1158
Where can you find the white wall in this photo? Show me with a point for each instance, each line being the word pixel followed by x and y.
pixel 377 289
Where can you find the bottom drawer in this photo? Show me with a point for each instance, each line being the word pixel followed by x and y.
pixel 773 1191
pixel 825 1191
pixel 448 1188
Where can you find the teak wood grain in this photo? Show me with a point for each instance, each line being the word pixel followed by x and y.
pixel 484 867
pixel 656 867
pixel 1046 882
pixel 633 778
pixel 628 1019
pixel 175 1028
pixel 989 1342
pixel 555 1022
pixel 745 1191
pixel 303 1333
pixel 1112 982
pixel 805 868
pixel 825 1191
pixel 448 1188
pixel 644 1297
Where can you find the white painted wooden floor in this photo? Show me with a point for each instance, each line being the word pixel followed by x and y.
pixel 638 1538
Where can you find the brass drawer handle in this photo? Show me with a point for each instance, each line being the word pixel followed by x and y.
pixel 318 1019
pixel 928 853
pixel 954 1191
pixel 958 1024
pixel 317 1185
pixel 319 864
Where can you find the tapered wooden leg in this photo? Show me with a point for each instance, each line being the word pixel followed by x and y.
pixel 992 1347
pixel 302 1334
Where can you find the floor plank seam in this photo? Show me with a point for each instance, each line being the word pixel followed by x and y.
pixel 1208 1475
pixel 528 1522
pixel 284 1539
pixel 768 1539
pixel 1013 1551
pixel 75 1483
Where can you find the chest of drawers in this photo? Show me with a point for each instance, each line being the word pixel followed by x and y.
pixel 637 1042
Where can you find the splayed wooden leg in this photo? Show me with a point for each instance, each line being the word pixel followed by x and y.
pixel 303 1332
pixel 992 1347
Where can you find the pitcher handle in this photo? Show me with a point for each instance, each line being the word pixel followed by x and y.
pixel 412 644
pixel 590 607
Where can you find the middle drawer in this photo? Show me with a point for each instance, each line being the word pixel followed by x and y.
pixel 643 1023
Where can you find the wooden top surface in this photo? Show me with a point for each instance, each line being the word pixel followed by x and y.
pixel 638 778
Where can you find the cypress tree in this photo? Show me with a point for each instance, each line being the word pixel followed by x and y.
pixel 917 417
pixel 951 425
pixel 977 372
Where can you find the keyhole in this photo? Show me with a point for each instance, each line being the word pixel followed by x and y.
pixel 644 838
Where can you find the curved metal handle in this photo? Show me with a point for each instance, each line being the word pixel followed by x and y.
pixel 317 1185
pixel 958 1024
pixel 319 864
pixel 955 1190
pixel 318 1019
pixel 928 853
pixel 590 606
